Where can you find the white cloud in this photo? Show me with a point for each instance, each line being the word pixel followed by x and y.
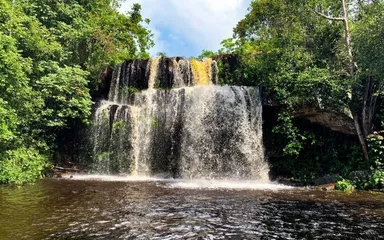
pixel 202 24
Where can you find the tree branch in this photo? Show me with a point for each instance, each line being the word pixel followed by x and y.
pixel 329 17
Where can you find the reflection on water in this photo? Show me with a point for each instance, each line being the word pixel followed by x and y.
pixel 64 209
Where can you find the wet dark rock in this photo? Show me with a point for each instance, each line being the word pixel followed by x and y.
pixel 327 179
pixel 289 182
pixel 166 73
pixel 359 176
pixel 101 91
pixel 327 187
pixel 133 73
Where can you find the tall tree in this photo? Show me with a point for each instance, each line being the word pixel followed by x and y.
pixel 318 41
pixel 361 130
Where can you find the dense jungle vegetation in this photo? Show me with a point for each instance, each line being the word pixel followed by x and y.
pixel 51 54
pixel 323 55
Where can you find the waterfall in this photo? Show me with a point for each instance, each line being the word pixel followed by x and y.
pixel 153 69
pixel 167 116
pixel 202 71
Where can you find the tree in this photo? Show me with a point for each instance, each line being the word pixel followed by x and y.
pixel 51 58
pixel 361 129
pixel 299 57
pixel 206 54
pixel 367 38
pixel 321 54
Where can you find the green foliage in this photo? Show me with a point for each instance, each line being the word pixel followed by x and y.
pixel 7 126
pixel 368 39
pixel 206 54
pixel 65 96
pixel 309 151
pixel 291 133
pixel 345 186
pixel 162 54
pixel 300 59
pixel 22 165
pixel 118 125
pixel 372 177
pixel 376 181
pixel 155 123
pixel 355 162
pixel 103 157
pixel 130 90
pixel 50 57
pixel 285 47
pixel 376 149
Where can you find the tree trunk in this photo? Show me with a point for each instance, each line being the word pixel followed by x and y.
pixel 361 136
pixel 365 100
pixel 348 39
pixel 369 105
pixel 361 133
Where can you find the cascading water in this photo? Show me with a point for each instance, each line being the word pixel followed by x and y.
pixel 167 116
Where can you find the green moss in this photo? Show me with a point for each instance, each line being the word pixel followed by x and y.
pixel 155 123
pixel 102 157
pixel 130 90
pixel 118 125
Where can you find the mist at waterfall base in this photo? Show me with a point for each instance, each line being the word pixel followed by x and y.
pixel 166 117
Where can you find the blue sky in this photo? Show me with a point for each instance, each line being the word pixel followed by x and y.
pixel 186 27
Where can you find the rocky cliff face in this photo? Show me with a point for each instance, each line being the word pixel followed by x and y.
pixel 170 73
pixel 169 116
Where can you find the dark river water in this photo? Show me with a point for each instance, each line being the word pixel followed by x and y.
pixel 84 209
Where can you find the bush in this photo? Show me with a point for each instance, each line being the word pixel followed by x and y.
pixel 23 165
pixel 376 181
pixel 345 186
pixel 376 148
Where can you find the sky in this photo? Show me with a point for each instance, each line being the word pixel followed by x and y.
pixel 186 27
